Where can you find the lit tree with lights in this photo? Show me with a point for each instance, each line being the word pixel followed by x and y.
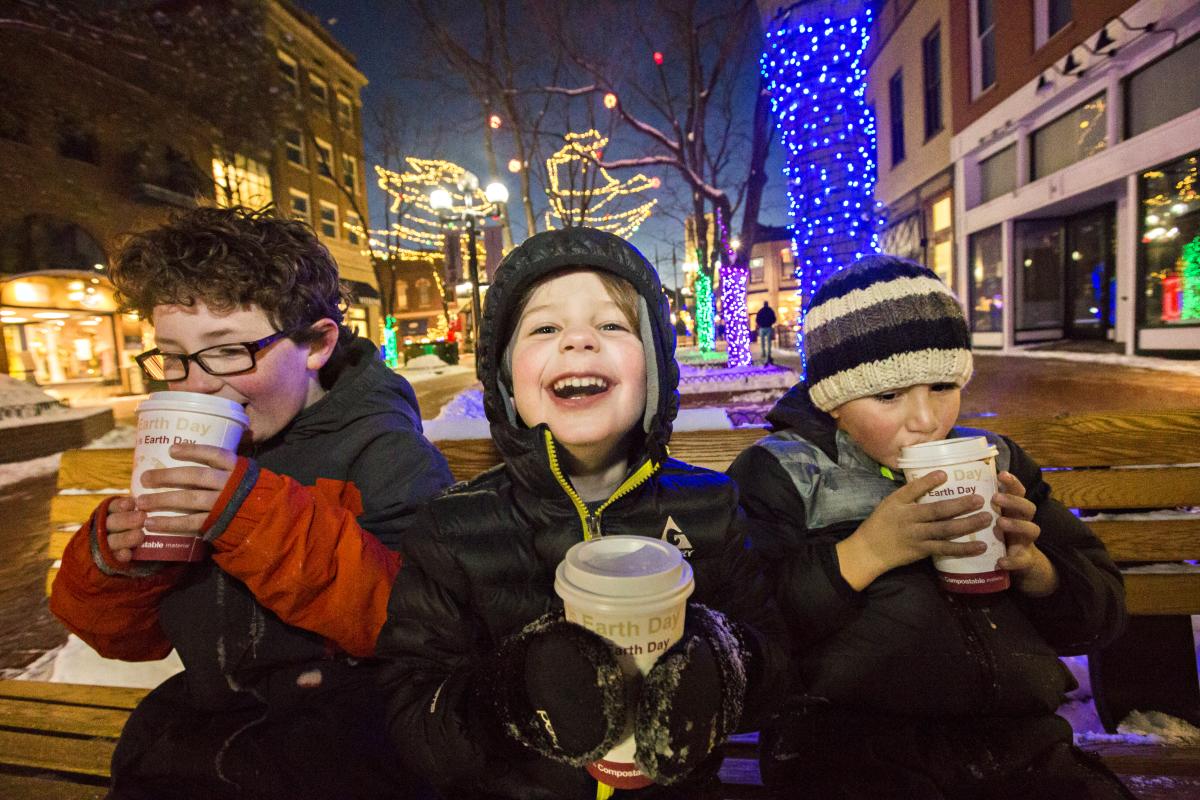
pixel 813 62
pixel 1189 306
pixel 583 193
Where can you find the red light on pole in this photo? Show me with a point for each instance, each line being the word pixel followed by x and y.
pixel 658 58
pixel 655 182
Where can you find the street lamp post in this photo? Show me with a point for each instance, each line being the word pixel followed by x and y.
pixel 442 202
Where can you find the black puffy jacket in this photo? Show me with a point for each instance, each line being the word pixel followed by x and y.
pixel 903 646
pixel 479 564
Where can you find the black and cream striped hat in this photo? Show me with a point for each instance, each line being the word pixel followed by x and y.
pixel 882 323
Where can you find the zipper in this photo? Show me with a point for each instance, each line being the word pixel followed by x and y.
pixel 590 520
pixel 979 650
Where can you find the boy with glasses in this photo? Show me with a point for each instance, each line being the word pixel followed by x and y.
pixel 247 306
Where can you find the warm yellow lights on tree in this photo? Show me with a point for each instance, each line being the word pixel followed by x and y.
pixel 581 192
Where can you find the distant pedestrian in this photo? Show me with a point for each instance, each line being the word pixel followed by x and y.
pixel 765 320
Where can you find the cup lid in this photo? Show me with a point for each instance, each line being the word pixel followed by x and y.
pixel 623 566
pixel 946 451
pixel 195 402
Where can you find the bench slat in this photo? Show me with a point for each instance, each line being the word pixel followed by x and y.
pixel 1103 440
pixel 1147 759
pixel 73 509
pixel 78 694
pixel 81 720
pixel 1150 540
pixel 58 753
pixel 37 787
pixel 1170 487
pixel 96 469
pixel 1162 593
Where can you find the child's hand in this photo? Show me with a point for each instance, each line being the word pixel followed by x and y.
pixel 1031 572
pixel 901 531
pixel 124 526
pixel 194 489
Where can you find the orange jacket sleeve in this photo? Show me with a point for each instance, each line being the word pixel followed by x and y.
pixel 303 556
pixel 111 606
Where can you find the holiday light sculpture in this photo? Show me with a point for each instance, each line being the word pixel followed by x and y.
pixel 583 193
pixel 813 65
pixel 419 228
pixel 733 300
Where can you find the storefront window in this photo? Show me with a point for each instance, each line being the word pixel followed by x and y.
pixel 1170 244
pixel 1164 90
pixel 987 270
pixel 998 174
pixel 1074 136
pixel 1039 274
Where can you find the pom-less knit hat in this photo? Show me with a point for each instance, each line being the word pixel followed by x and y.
pixel 882 323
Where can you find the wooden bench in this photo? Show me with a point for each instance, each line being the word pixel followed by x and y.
pixel 1099 462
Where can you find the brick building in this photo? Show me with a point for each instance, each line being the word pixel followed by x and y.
pixel 96 143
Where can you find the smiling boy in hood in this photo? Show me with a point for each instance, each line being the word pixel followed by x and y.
pixel 494 694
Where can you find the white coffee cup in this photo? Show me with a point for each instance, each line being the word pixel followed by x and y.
pixel 633 591
pixel 168 418
pixel 970 467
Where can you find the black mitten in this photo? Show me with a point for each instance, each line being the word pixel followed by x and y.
pixel 692 699
pixel 557 688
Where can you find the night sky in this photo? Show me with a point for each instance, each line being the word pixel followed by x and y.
pixel 392 54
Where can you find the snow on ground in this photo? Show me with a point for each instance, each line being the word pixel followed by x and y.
pixel 24 470
pixel 1182 366
pixel 76 662
pixel 697 380
pixel 422 368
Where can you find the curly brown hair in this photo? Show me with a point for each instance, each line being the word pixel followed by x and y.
pixel 228 258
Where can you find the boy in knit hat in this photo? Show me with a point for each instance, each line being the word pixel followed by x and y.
pixel 906 690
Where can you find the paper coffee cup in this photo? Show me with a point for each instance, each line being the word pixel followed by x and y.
pixel 970 467
pixel 169 418
pixel 633 591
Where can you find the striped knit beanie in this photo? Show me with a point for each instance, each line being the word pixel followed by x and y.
pixel 882 323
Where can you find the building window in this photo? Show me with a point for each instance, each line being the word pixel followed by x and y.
pixel 931 71
pixel 324 159
pixel 301 208
pixel 77 142
pixel 294 143
pixel 983 46
pixel 896 116
pixel 318 88
pixel 424 293
pixel 1163 90
pixel 987 269
pixel 756 270
pixel 289 72
pixel 1074 136
pixel 402 296
pixel 329 220
pixel 998 174
pixel 245 182
pixel 1049 17
pixel 1170 244
pixel 354 228
pixel 787 264
pixel 345 113
pixel 350 172
pixel 941 239
pixel 1038 274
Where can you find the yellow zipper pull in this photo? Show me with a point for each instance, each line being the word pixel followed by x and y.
pixel 593 527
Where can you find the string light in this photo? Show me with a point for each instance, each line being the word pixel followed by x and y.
pixel 733 300
pixel 590 203
pixel 610 100
pixel 815 74
pixel 420 229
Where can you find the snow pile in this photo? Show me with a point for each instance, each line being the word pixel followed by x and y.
pixel 700 380
pixel 467 404
pixel 693 355
pixel 21 400
pixel 1184 367
pixel 25 470
pixel 426 361
pixel 76 662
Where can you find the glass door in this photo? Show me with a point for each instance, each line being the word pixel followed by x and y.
pixel 1090 276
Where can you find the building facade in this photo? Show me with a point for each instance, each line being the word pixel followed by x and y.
pixel 94 146
pixel 1076 157
pixel 909 87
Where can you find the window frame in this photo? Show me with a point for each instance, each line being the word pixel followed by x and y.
pixel 325 205
pixel 1042 33
pixel 352 173
pixel 346 119
pixel 896 118
pixel 294 195
pixel 351 236
pixel 287 148
pixel 932 89
pixel 282 57
pixel 314 79
pixel 977 46
pixel 324 166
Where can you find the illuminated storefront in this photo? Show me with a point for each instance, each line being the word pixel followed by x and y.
pixel 1170 244
pixel 62 330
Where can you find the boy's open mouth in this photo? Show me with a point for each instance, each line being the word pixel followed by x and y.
pixel 579 386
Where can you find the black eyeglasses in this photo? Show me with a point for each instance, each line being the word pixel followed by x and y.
pixel 220 359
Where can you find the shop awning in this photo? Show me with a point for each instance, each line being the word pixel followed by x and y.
pixel 361 293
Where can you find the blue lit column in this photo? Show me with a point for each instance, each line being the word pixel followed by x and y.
pixel 813 64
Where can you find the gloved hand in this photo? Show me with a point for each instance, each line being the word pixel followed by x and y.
pixel 557 688
pixel 692 698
